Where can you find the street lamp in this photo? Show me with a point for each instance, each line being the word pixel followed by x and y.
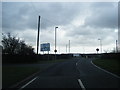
pixel 66 48
pixel 69 46
pixel 116 46
pixel 100 44
pixel 55 43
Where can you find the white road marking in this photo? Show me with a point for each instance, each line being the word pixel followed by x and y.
pixel 105 70
pixel 28 82
pixel 81 84
pixel 76 64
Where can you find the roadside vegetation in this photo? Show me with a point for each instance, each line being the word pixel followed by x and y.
pixel 111 65
pixel 52 61
pixel 13 74
pixel 16 52
pixel 13 45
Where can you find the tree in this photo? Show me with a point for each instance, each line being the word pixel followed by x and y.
pixel 12 45
pixel 25 49
pixel 9 44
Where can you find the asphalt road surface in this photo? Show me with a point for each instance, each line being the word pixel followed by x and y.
pixel 76 73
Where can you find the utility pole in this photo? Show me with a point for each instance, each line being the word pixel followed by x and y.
pixel 69 46
pixel 66 48
pixel 38 35
pixel 100 44
pixel 55 43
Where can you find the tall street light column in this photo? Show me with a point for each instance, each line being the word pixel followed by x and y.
pixel 55 42
pixel 69 46
pixel 100 45
pixel 116 46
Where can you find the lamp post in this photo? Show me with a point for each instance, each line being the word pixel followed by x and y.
pixel 69 46
pixel 100 44
pixel 66 48
pixel 116 46
pixel 55 42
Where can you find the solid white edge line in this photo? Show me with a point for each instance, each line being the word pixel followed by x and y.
pixel 81 84
pixel 105 70
pixel 28 82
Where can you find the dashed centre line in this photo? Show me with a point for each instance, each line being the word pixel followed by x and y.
pixel 81 84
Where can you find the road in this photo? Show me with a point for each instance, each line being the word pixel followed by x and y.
pixel 75 73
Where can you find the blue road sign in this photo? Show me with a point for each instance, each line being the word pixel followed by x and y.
pixel 45 47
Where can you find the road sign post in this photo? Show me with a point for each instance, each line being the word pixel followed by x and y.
pixel 45 47
pixel 97 50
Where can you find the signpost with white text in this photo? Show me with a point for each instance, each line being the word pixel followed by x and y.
pixel 45 47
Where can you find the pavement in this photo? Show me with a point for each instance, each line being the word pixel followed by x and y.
pixel 76 73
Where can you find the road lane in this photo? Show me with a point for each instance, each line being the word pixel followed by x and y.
pixel 77 73
pixel 60 75
pixel 93 77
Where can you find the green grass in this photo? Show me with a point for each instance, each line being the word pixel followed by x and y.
pixel 11 74
pixel 52 61
pixel 110 65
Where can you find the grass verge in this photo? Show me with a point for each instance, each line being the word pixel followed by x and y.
pixel 109 65
pixel 52 61
pixel 11 74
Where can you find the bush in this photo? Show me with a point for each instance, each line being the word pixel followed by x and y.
pixel 110 56
pixel 17 58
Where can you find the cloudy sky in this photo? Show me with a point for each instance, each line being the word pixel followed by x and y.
pixel 83 23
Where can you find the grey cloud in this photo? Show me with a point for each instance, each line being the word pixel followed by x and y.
pixel 100 21
pixel 89 35
pixel 25 15
pixel 18 18
pixel 104 15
